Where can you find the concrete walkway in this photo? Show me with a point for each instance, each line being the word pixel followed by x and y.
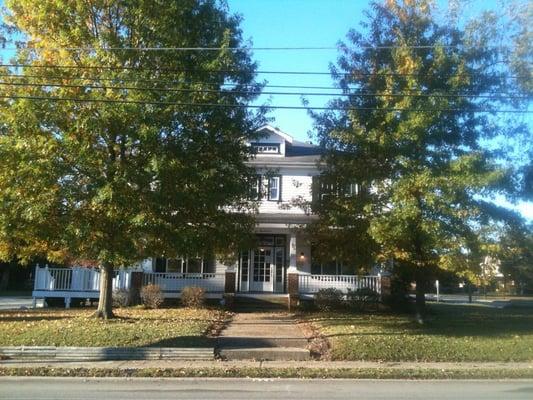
pixel 263 336
pixel 161 364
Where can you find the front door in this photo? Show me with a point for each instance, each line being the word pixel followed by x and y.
pixel 262 270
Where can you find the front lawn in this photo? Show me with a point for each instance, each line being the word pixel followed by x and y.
pixel 168 327
pixel 452 333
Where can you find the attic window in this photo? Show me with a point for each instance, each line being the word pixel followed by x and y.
pixel 266 148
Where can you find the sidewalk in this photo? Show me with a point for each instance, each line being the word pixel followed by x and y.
pixel 326 365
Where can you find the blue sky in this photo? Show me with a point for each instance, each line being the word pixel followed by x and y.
pixel 312 23
pixel 304 23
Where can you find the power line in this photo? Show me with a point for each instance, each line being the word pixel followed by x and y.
pixel 217 105
pixel 172 82
pixel 244 48
pixel 241 92
pixel 229 71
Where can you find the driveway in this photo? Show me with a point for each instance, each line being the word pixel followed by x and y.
pixel 17 302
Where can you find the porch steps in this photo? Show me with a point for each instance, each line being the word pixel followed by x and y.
pixel 265 353
pixel 260 302
pixel 273 336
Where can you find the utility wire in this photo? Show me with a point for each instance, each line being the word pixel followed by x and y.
pixel 216 105
pixel 173 82
pixel 244 48
pixel 222 71
pixel 241 92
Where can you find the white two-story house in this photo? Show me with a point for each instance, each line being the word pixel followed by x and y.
pixel 282 261
pixel 285 169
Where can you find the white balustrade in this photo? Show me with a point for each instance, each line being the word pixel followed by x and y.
pixel 175 281
pixel 77 279
pixel 313 283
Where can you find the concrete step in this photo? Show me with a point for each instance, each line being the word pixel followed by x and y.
pixel 261 342
pixel 262 303
pixel 264 353
pixel 106 353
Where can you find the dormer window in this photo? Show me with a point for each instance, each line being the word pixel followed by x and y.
pixel 266 148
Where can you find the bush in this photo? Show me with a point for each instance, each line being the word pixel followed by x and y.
pixel 121 298
pixel 361 299
pixel 151 296
pixel 192 296
pixel 329 299
pixel 398 299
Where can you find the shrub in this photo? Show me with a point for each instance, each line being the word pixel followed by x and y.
pixel 361 299
pixel 398 299
pixel 151 296
pixel 192 296
pixel 121 298
pixel 329 299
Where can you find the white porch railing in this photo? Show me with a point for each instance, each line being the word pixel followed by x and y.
pixel 309 284
pixel 175 282
pixel 76 279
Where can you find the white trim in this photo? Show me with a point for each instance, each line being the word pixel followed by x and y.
pixel 270 128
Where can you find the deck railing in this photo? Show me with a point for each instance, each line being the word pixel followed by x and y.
pixel 309 284
pixel 176 281
pixel 76 279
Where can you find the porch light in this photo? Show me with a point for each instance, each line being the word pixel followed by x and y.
pixel 302 256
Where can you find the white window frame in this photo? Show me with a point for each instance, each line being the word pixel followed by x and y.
pixel 277 187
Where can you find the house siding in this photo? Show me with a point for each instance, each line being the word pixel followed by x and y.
pixel 295 185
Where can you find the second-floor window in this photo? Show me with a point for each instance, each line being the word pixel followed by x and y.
pixel 268 187
pixel 266 148
pixel 274 188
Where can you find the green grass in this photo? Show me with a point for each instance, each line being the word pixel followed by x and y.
pixel 452 333
pixel 136 327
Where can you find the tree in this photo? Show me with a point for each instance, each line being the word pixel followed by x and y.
pixel 420 99
pixel 516 255
pixel 109 153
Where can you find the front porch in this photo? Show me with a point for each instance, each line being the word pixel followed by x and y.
pixel 84 283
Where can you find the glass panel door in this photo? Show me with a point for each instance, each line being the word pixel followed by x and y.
pixel 262 270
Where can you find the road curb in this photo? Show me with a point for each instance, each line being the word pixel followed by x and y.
pixel 105 353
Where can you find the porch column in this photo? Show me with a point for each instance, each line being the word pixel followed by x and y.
pixel 292 274
pixel 385 286
pixel 230 279
pixel 292 252
pixel 136 286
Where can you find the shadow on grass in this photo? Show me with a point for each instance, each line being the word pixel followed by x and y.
pixel 443 319
pixel 30 318
pixel 184 341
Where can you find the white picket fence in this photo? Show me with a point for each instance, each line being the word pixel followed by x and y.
pixel 175 282
pixel 309 284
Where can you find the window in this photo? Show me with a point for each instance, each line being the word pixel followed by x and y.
pixel 255 188
pixel 194 266
pixel 324 189
pixel 274 188
pixel 174 265
pixel 352 189
pixel 266 148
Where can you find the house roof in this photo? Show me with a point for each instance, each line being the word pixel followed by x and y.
pixel 296 153
pixel 285 136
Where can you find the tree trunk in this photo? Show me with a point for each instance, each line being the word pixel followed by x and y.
pixel 4 282
pixel 420 300
pixel 105 303
pixel 469 287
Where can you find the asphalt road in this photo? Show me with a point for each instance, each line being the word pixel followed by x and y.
pixel 251 389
